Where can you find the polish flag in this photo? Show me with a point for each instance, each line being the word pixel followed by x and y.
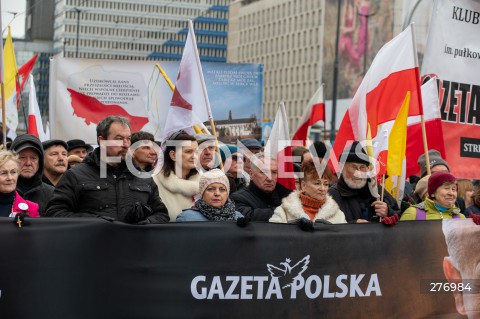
pixel 279 147
pixel 314 112
pixel 35 125
pixel 393 73
pixel 190 104
pixel 25 70
pixel 91 110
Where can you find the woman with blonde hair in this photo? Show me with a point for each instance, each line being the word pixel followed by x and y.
pixel 465 191
pixel 11 203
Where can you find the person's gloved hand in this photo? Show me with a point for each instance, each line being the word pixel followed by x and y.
pixel 243 221
pixel 475 217
pixel 322 221
pixel 139 213
pixel 390 220
pixel 305 224
pixel 20 219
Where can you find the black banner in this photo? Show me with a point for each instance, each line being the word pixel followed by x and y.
pixel 89 268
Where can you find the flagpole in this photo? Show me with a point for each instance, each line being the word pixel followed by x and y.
pixel 420 102
pixel 2 84
pixel 205 94
pixel 324 118
pixel 170 84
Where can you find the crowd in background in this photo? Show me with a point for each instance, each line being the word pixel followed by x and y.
pixel 124 179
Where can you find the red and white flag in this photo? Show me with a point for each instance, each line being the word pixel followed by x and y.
pixel 314 112
pixel 190 104
pixel 35 125
pixel 25 70
pixel 279 147
pixel 393 73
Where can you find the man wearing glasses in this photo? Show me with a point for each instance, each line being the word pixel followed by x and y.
pixel 104 186
pixel 352 193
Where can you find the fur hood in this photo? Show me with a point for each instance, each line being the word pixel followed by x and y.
pixel 291 209
pixel 173 184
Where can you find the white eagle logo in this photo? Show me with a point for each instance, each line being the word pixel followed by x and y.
pixel 287 274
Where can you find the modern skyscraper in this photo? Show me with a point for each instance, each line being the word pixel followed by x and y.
pixel 138 30
pixel 287 37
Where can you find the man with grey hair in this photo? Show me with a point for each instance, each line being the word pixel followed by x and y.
pixel 352 193
pixel 103 186
pixel 258 201
pixel 462 264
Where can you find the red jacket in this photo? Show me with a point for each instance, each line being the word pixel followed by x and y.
pixel 21 205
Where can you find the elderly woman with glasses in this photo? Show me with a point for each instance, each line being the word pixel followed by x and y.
pixel 178 179
pixel 11 203
pixel 214 204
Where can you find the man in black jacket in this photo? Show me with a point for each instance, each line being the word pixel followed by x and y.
pixel 30 164
pixel 258 201
pixel 103 186
pixel 352 192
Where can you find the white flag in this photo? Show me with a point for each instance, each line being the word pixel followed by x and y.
pixel 35 125
pixel 190 104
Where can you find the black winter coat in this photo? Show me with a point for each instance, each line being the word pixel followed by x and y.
pixel 254 203
pixel 357 203
pixel 33 188
pixel 82 193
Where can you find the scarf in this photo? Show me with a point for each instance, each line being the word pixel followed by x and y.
pixel 311 205
pixel 226 212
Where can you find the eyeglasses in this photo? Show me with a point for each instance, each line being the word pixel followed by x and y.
pixel 236 157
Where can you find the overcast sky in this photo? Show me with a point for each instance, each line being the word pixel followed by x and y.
pixel 18 24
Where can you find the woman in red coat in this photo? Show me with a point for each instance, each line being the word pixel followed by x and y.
pixel 10 201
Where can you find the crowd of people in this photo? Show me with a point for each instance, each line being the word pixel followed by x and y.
pixel 132 178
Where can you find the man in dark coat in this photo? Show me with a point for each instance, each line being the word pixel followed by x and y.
pixel 30 164
pixel 103 186
pixel 352 192
pixel 258 201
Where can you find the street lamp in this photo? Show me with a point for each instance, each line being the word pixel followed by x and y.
pixel 335 75
pixel 365 40
pixel 65 42
pixel 78 28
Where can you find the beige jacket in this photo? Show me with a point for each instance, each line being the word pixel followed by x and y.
pixel 176 193
pixel 291 209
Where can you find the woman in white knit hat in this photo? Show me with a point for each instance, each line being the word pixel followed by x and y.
pixel 214 204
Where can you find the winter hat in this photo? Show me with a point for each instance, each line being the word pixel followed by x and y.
pixel 319 149
pixel 204 138
pixel 435 159
pixel 437 179
pixel 421 187
pixel 355 154
pixel 50 143
pixel 213 176
pixel 251 143
pixel 73 144
pixel 25 141
pixel 227 150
